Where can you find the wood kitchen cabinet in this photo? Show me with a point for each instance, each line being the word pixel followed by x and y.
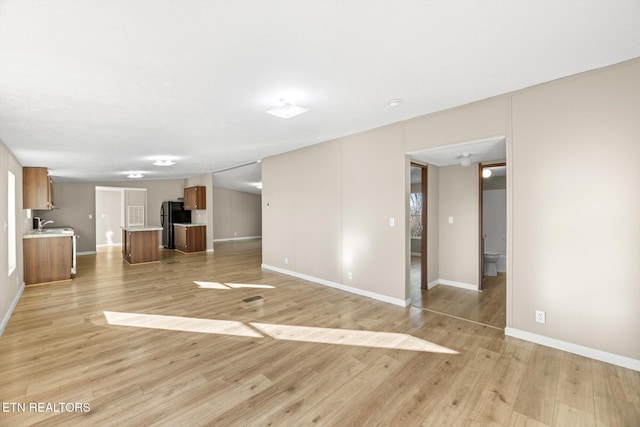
pixel 37 189
pixel 140 244
pixel 190 237
pixel 195 198
pixel 47 259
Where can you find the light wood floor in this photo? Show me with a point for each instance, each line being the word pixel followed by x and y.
pixel 58 347
pixel 488 307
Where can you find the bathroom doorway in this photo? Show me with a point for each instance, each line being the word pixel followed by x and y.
pixel 493 223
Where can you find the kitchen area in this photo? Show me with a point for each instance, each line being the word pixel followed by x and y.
pixel 67 227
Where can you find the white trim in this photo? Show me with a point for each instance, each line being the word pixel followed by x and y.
pixel 12 307
pixel 211 250
pixel 592 353
pixel 357 291
pixel 108 245
pixel 462 285
pixel 86 253
pixel 237 238
pixel 416 254
pixel 433 284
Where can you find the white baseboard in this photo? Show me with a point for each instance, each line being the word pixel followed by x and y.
pixel 462 285
pixel 107 245
pixel 433 284
pixel 592 353
pixel 12 307
pixel 86 253
pixel 237 238
pixel 416 254
pixel 350 289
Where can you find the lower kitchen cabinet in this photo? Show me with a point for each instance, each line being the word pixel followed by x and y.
pixel 190 237
pixel 47 259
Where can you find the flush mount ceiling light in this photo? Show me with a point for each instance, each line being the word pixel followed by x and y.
pixel 164 162
pixel 287 110
pixel 392 103
pixel 465 159
pixel 135 175
pixel 486 173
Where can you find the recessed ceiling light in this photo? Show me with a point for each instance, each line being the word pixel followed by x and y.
pixel 287 110
pixel 164 162
pixel 135 175
pixel 465 159
pixel 394 102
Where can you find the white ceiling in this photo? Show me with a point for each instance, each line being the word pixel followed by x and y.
pixel 96 89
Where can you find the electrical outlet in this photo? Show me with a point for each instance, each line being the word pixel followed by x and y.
pixel 540 316
pixel 286 260
pixel 350 274
pixel 392 222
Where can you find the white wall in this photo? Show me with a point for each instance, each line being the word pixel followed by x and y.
pixel 575 190
pixel 458 241
pixel 326 211
pixel 11 285
pixel 236 214
pixel 109 217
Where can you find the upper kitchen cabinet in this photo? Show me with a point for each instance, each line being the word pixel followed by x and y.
pixel 195 198
pixel 37 190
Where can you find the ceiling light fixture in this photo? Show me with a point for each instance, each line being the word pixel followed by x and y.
pixel 486 173
pixel 465 159
pixel 287 110
pixel 164 162
pixel 392 103
pixel 135 175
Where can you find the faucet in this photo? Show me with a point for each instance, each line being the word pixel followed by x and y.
pixel 42 223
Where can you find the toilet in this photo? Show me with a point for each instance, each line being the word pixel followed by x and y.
pixel 490 260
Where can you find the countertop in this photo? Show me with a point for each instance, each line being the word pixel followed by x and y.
pixel 48 232
pixel 141 228
pixel 181 224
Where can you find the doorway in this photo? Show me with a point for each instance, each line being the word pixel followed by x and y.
pixel 117 207
pixel 493 221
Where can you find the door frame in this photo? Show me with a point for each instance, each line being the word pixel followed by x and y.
pixel 424 284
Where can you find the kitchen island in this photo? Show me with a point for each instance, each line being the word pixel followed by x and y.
pixel 140 244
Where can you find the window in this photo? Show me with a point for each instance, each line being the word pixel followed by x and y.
pixel 11 226
pixel 415 206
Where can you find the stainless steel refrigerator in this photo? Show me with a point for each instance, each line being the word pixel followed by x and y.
pixel 171 213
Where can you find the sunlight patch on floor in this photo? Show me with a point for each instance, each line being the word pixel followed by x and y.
pixel 177 323
pixel 245 285
pixel 211 285
pixel 216 285
pixel 390 340
pixel 350 337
